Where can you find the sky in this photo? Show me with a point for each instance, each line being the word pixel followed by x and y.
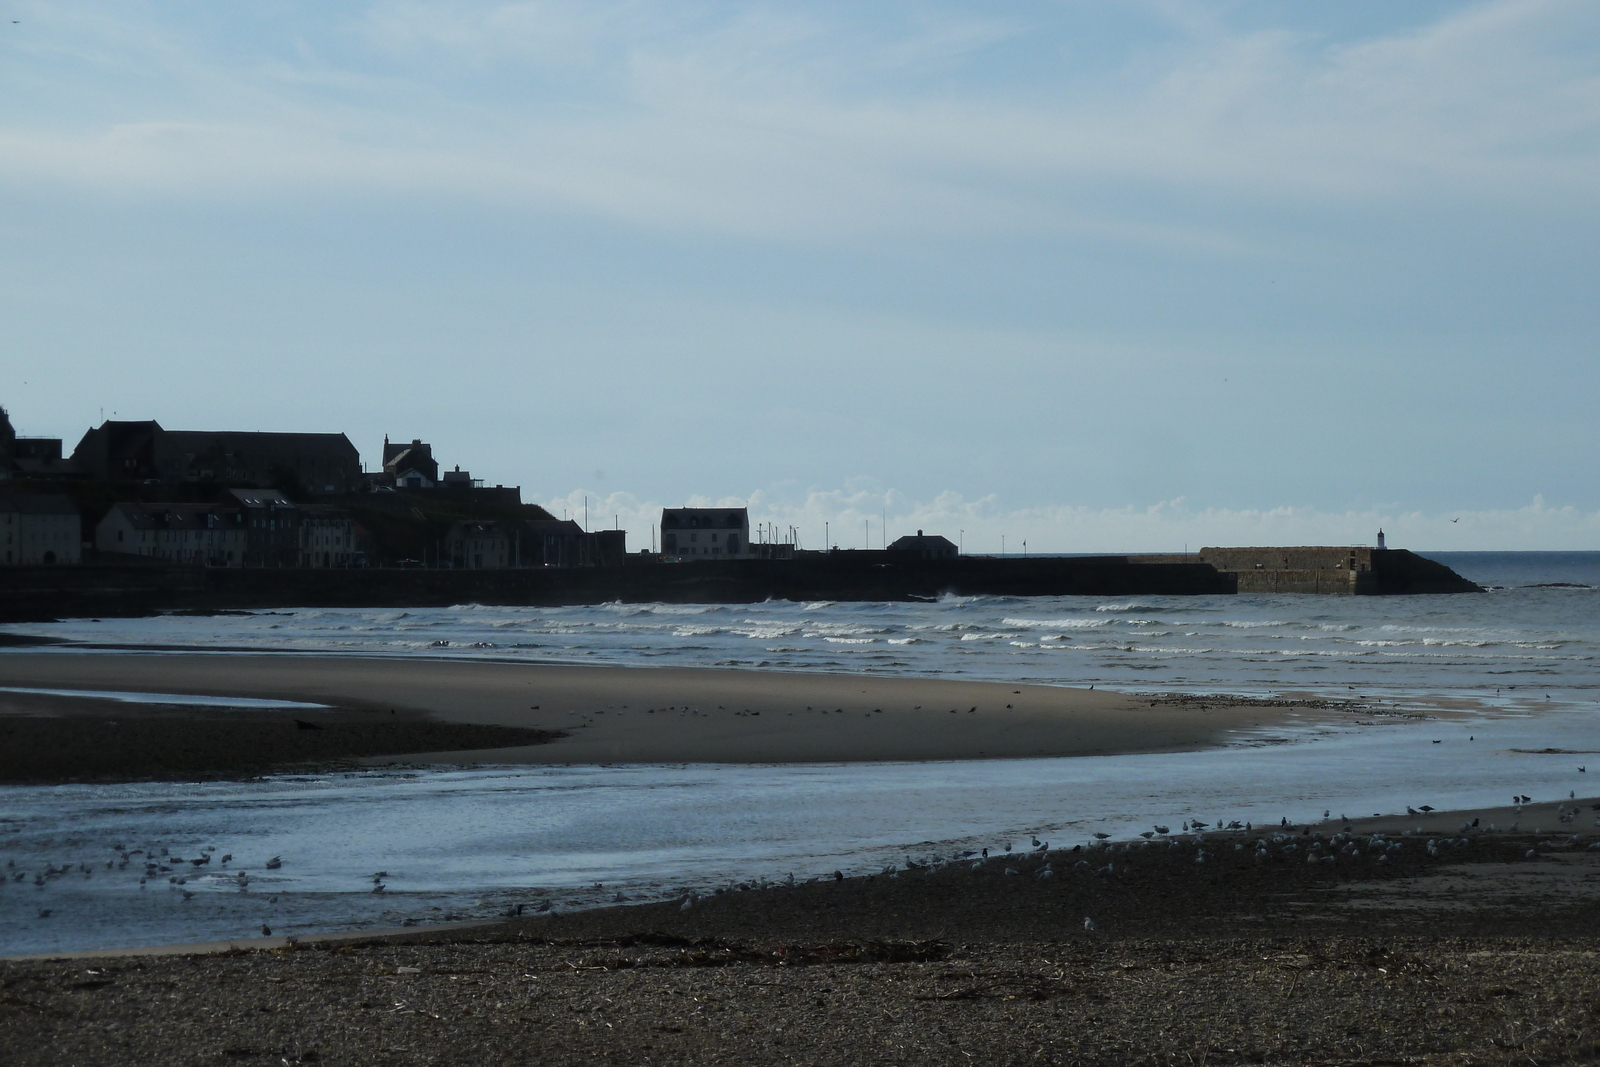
pixel 1110 275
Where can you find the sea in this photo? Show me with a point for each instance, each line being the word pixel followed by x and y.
pixel 1518 665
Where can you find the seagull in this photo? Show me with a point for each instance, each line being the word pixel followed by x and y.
pixel 1455 520
pixel 1088 924
pixel 266 931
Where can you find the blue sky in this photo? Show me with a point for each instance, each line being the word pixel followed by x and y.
pixel 1097 276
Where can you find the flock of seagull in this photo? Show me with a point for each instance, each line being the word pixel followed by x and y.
pixel 1098 856
pixel 157 865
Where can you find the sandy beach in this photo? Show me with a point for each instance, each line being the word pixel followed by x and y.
pixel 1457 947
pixel 611 714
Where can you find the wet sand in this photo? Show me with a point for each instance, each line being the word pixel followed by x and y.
pixel 1479 950
pixel 645 715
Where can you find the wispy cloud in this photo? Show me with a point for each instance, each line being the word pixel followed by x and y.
pixel 823 124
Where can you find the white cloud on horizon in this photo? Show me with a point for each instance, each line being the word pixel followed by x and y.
pixel 855 517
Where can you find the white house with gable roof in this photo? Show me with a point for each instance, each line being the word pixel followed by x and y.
pixel 705 533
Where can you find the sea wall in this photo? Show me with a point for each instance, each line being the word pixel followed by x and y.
pixel 32 593
pixel 36 593
pixel 1336 569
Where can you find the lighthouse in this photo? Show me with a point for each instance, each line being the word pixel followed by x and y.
pixel 1380 539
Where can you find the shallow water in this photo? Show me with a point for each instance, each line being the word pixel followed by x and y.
pixel 473 843
pixel 185 699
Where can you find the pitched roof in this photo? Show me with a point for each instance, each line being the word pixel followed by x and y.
pixel 261 498
pixel 702 518
pixel 172 516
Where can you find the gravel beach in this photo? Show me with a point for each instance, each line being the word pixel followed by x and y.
pixel 1468 948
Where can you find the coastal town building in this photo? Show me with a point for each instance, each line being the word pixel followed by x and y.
pixel 460 479
pixel 303 464
pixel 480 546
pixel 39 528
pixel 329 537
pixel 33 458
pixel 206 534
pixel 512 544
pixel 272 522
pixel 932 546
pixel 249 528
pixel 705 533
pixel 411 466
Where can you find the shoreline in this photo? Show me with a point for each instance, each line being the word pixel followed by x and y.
pixel 1453 953
pixel 1512 833
pixel 609 715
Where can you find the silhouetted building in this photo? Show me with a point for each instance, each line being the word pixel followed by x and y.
pixel 39 528
pixel 329 537
pixel 412 466
pixel 303 464
pixel 521 543
pixel 8 445
pixel 479 546
pixel 272 522
pixel 705 533
pixel 211 535
pixel 30 457
pixel 253 528
pixel 926 547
